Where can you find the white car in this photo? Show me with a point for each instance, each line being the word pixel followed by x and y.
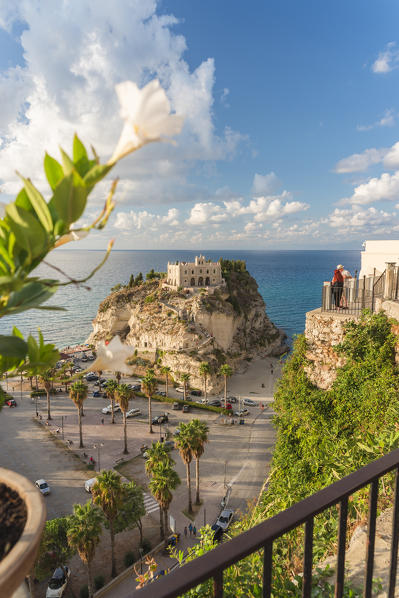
pixel 241 413
pixel 133 412
pixel 180 389
pixel 108 410
pixel 43 487
pixel 89 484
pixel 225 518
pixel 58 583
pixel 249 402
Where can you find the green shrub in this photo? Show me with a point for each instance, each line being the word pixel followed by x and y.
pixel 149 299
pixel 181 402
pixel 84 592
pixel 146 546
pixel 129 558
pixel 90 466
pixel 99 582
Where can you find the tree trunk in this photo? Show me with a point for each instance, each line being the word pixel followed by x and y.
pixel 112 410
pixel 112 535
pixel 80 427
pixel 205 389
pixel 31 382
pixel 184 391
pixel 167 385
pixel 125 451
pixel 90 579
pixel 190 504
pixel 48 403
pixel 225 392
pixel 140 527
pixel 150 414
pixel 197 496
pixel 166 527
pixel 161 528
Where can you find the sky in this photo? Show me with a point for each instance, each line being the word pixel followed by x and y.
pixel 291 116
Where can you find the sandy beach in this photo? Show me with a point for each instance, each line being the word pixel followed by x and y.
pixel 258 381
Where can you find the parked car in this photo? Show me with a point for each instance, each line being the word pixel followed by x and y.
pixel 217 532
pixel 107 410
pixel 136 387
pixel 176 406
pixel 232 399
pixel 186 408
pixel 169 444
pixel 196 393
pixel 58 582
pixel 91 357
pixel 241 413
pixel 43 486
pixel 228 406
pixel 160 419
pixel 215 403
pixel 91 377
pixel 250 402
pixel 11 402
pixel 100 381
pixel 180 389
pixel 89 484
pixel 225 518
pixel 97 393
pixel 161 393
pixel 84 358
pixel 133 412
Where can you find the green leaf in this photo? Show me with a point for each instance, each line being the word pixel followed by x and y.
pixel 67 162
pixel 60 228
pixel 13 346
pixel 53 170
pixel 17 332
pixel 30 296
pixel 39 205
pixel 80 158
pixel 69 200
pixel 28 231
pixel 96 174
pixel 33 350
pixel 22 200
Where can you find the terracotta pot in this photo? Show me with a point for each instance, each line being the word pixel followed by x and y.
pixel 16 565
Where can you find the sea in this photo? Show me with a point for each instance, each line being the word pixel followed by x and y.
pixel 290 283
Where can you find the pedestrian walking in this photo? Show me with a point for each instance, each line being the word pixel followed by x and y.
pixel 271 370
pixel 190 528
pixel 194 531
pixel 185 531
pixel 102 421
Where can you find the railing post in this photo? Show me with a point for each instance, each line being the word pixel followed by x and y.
pixel 363 292
pixel 394 540
pixel 339 579
pixel 308 559
pixel 218 585
pixel 267 570
pixel 396 282
pixel 368 580
pixel 372 294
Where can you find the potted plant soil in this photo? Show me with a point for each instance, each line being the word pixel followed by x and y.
pixel 22 518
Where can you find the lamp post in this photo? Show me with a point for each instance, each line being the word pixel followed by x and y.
pixel 37 413
pixel 62 425
pixel 98 447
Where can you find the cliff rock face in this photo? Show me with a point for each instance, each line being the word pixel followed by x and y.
pixel 182 329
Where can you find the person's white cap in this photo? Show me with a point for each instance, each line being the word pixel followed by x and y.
pixel 340 267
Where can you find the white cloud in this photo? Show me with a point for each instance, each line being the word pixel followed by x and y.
pixel 265 184
pixel 387 120
pixel 391 158
pixel 205 213
pixel 385 187
pixel 387 60
pixel 266 208
pixel 360 162
pixel 146 221
pixel 48 100
pixel 358 218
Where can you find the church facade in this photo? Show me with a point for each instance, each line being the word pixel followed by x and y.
pixel 200 273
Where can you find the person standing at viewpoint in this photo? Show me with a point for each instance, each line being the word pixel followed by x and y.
pixel 337 285
pixel 346 275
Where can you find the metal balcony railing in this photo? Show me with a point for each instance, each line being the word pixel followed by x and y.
pixel 212 565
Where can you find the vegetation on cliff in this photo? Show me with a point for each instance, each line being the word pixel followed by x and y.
pixel 322 436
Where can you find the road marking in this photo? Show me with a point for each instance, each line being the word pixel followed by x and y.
pixel 150 504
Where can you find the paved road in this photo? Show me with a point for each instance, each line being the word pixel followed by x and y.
pixel 26 448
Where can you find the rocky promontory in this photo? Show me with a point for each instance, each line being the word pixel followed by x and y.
pixel 180 328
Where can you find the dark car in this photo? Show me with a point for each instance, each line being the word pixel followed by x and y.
pixel 232 399
pixel 196 393
pixel 11 402
pixel 96 393
pixel 136 387
pixel 161 393
pixel 91 377
pixel 215 403
pixel 160 419
pixel 186 408
pixel 176 406
pixel 217 532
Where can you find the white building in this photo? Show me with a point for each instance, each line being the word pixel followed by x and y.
pixel 376 254
pixel 200 273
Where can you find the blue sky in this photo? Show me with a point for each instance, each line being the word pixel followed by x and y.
pixel 291 115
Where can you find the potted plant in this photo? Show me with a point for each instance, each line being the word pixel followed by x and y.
pixel 22 518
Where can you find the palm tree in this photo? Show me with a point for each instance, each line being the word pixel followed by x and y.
pixel 78 393
pixel 118 377
pixel 185 378
pixel 46 379
pixel 185 442
pixel 164 480
pixel 110 389
pixel 205 370
pixel 226 371
pixel 156 454
pixel 200 430
pixel 165 370
pixel 124 393
pixel 149 386
pixel 108 493
pixel 84 533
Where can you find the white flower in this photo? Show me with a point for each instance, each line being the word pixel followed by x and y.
pixel 147 117
pixel 112 357
pixel 73 235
